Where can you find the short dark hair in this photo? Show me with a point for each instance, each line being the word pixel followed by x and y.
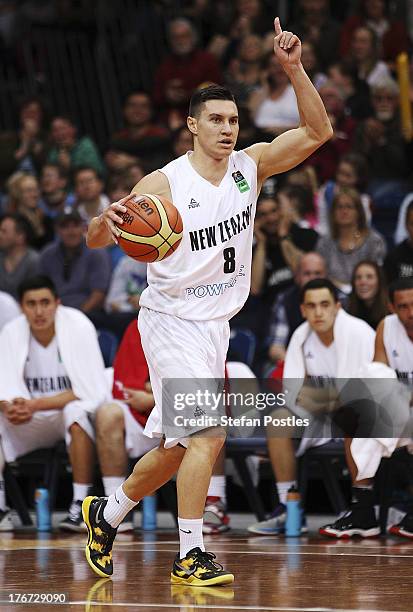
pixel 212 92
pixel 401 284
pixel 319 283
pixel 23 225
pixel 62 172
pixel 40 281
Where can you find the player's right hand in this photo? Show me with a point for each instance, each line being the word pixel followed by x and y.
pixel 110 216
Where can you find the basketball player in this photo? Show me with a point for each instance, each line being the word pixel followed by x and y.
pixel 318 352
pixel 394 347
pixel 190 297
pixel 52 378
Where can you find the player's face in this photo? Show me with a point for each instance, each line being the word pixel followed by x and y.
pixel 217 128
pixel 366 282
pixel 39 306
pixel 320 310
pixel 403 307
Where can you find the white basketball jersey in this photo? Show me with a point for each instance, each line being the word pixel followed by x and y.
pixel 320 360
pixel 399 348
pixel 44 371
pixel 208 277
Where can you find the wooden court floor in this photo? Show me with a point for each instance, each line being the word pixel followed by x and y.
pixel 296 575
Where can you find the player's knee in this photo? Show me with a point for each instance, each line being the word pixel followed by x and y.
pixel 109 419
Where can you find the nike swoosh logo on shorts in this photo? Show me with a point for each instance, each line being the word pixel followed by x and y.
pixel 116 499
pixel 183 531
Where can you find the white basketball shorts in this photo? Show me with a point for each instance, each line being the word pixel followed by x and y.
pixel 176 349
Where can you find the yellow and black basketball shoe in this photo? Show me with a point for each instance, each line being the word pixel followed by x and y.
pixel 198 568
pixel 100 536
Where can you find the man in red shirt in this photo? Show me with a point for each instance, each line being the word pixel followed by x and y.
pixel 182 71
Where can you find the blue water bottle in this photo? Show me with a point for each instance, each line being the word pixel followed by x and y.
pixel 43 518
pixel 149 513
pixel 294 513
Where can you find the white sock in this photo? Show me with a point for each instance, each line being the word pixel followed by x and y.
pixel 190 535
pixel 111 483
pixel 118 507
pixel 2 494
pixel 217 488
pixel 80 491
pixel 282 489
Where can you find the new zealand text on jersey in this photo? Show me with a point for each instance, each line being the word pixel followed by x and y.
pixel 223 231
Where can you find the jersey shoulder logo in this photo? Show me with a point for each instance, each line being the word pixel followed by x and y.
pixel 193 204
pixel 240 181
pixel 309 355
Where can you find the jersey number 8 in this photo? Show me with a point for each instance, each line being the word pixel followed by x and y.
pixel 229 260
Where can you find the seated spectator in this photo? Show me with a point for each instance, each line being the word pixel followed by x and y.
pixel 81 275
pixel 274 106
pixel 310 63
pixel 182 71
pixel 126 285
pixel 279 244
pixel 71 151
pixel 245 69
pixel 330 344
pixel 392 36
pixel 117 162
pixel 54 187
pixel 90 199
pixel 120 427
pixel 141 137
pixel 368 297
pixel 394 356
pixel 379 138
pixel 182 141
pixel 9 309
pixel 297 203
pixel 365 58
pixel 52 379
pixel 314 24
pixel 28 203
pixel 399 262
pixel 24 148
pixel 327 157
pixel 350 240
pixel 18 261
pixel 401 231
pixel 356 93
pixel 351 173
pixel 286 314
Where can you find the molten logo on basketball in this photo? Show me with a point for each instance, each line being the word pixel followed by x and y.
pixel 144 206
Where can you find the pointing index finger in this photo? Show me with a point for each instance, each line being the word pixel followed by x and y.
pixel 277 26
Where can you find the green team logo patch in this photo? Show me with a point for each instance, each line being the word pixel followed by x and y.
pixel 240 182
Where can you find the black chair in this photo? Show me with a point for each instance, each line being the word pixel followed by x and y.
pixel 330 461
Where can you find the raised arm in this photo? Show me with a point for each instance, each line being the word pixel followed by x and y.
pixel 102 230
pixel 294 146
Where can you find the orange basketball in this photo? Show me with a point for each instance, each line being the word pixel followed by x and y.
pixel 151 229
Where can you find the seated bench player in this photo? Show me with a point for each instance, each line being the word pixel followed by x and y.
pixel 329 345
pixel 52 379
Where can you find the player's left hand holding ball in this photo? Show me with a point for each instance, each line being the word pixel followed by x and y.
pixel 110 217
pixel 287 46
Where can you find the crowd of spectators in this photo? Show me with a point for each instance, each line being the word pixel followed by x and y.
pixel 349 205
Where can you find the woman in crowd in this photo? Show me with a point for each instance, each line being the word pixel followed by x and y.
pixel 350 240
pixel 351 172
pixel 391 34
pixel 365 56
pixel 24 198
pixel 368 297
